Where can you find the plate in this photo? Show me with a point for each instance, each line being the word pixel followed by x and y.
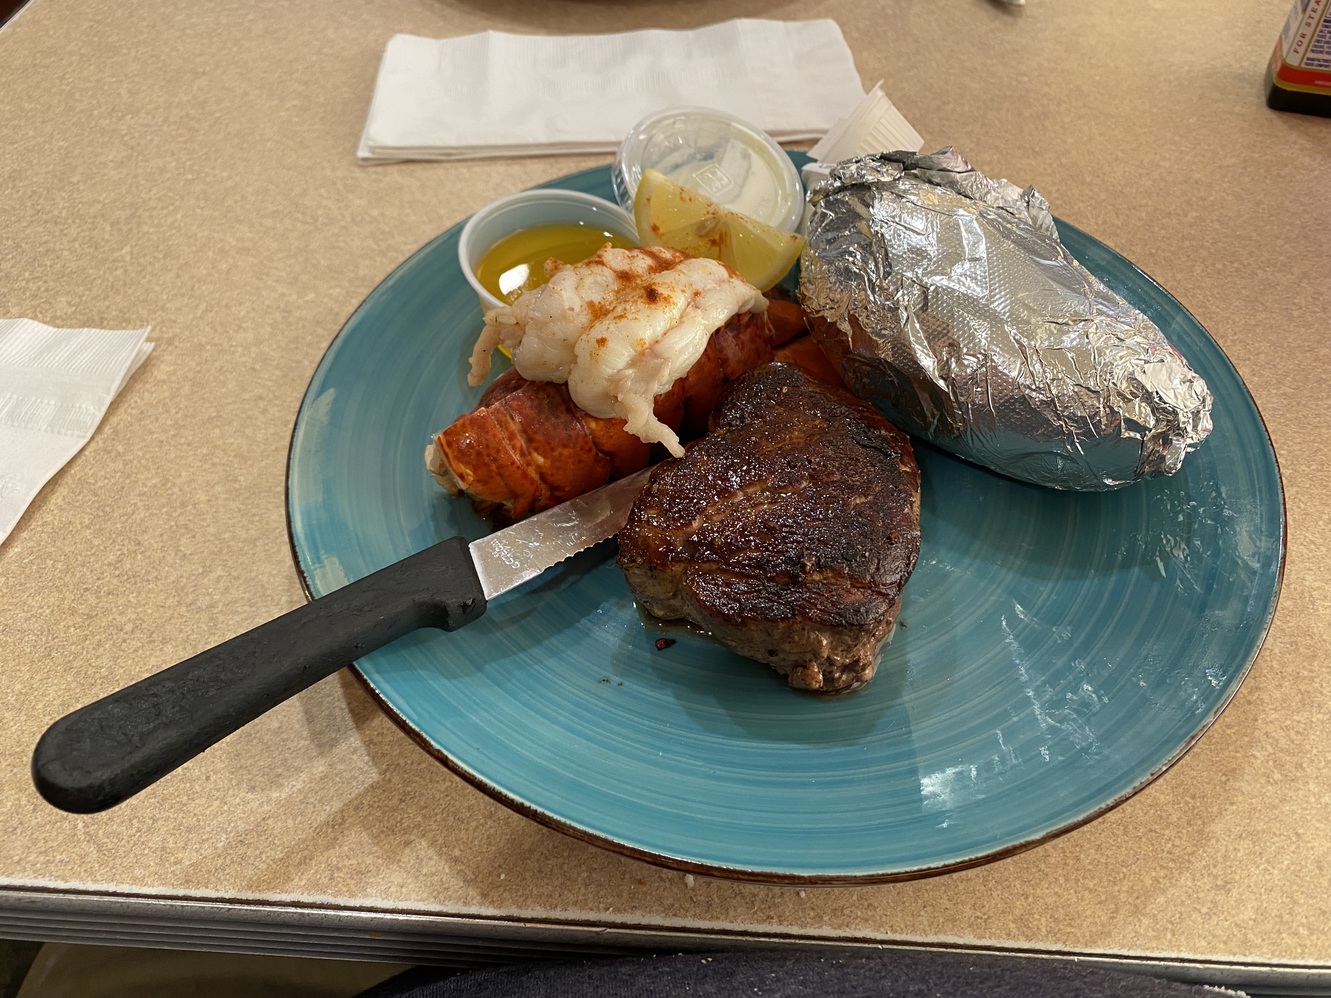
pixel 1056 651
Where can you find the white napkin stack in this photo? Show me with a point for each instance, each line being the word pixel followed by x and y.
pixel 496 94
pixel 55 386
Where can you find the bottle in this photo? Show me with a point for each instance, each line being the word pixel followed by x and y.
pixel 1299 76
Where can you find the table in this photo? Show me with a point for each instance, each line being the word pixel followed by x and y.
pixel 193 168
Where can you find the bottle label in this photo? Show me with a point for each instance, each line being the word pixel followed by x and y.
pixel 1302 59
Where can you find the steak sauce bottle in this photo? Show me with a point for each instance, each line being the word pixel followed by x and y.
pixel 1299 76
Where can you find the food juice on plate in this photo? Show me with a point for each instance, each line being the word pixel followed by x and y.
pixel 516 263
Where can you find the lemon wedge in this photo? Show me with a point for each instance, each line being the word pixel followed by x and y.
pixel 674 216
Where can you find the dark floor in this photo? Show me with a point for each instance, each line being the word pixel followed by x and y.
pixel 63 969
pixel 15 957
pixel 120 971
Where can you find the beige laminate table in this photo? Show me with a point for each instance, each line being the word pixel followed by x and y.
pixel 192 166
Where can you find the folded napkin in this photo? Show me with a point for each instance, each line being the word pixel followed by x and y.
pixel 55 386
pixel 496 94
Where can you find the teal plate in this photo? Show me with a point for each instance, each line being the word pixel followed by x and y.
pixel 1057 651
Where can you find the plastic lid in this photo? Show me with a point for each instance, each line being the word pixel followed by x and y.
pixel 730 161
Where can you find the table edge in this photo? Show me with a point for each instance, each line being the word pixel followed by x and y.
pixel 333 931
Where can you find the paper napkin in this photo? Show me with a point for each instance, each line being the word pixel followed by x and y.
pixel 496 94
pixel 55 386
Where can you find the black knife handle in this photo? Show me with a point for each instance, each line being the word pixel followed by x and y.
pixel 103 753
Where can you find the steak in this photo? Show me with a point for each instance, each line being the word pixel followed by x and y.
pixel 787 532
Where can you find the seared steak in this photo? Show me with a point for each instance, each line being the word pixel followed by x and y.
pixel 787 532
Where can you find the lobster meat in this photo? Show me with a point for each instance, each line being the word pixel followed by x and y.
pixel 528 446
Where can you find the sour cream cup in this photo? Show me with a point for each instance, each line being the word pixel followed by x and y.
pixel 734 163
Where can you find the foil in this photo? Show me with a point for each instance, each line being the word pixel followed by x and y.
pixel 947 300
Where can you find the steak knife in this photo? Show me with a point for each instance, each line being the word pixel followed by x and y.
pixel 104 753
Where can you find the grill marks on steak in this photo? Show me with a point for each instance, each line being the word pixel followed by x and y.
pixel 788 532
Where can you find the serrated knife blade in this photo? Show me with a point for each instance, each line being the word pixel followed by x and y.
pixel 509 557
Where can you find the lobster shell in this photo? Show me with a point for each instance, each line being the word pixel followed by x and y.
pixel 527 446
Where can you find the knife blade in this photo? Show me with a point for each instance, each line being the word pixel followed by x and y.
pixel 105 752
pixel 507 558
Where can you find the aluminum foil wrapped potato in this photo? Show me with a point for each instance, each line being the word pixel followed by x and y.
pixel 947 300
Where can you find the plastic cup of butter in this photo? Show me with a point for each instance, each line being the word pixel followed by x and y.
pixel 730 161
pixel 503 247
